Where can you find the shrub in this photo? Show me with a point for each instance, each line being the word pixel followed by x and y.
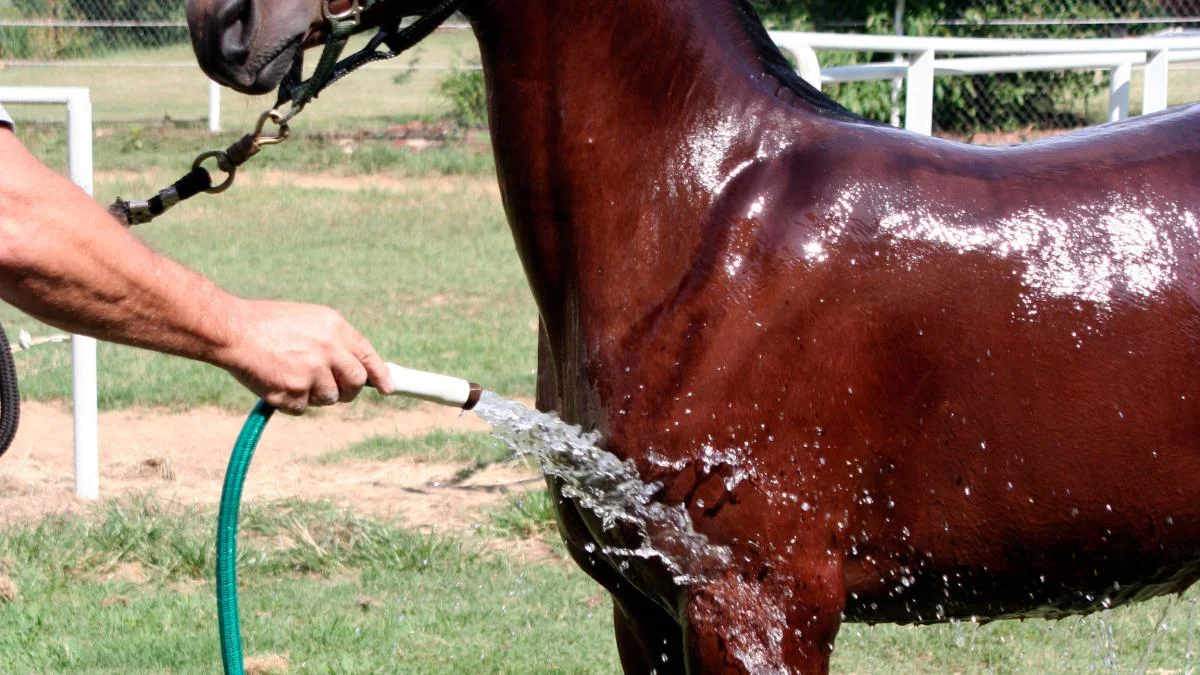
pixel 55 42
pixel 466 93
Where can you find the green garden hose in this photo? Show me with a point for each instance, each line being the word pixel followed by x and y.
pixel 441 389
pixel 227 529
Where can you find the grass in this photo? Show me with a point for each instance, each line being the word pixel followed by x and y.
pixel 337 593
pixel 436 446
pixel 166 84
pixel 346 594
pixel 1121 640
pixel 169 150
pixel 526 515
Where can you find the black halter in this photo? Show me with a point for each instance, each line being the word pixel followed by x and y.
pixel 295 93
pixel 342 25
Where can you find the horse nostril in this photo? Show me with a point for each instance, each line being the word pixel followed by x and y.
pixel 235 21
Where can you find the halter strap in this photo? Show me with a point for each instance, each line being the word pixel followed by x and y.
pixel 299 92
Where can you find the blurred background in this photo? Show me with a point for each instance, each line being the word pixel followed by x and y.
pixel 134 55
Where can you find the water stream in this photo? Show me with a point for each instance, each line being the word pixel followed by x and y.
pixel 610 490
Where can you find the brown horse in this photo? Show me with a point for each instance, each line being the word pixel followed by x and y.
pixel 902 379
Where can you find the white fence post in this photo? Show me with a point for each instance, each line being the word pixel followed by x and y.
pixel 1154 97
pixel 807 64
pixel 83 349
pixel 918 109
pixel 1118 93
pixel 215 107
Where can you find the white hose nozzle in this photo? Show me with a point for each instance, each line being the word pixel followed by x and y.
pixel 433 387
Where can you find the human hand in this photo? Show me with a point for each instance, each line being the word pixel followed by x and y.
pixel 297 355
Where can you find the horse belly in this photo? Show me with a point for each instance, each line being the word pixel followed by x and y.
pixel 1042 478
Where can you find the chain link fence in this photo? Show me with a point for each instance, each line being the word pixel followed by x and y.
pixel 136 58
pixel 43 30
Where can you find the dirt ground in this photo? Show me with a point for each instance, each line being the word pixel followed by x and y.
pixel 180 458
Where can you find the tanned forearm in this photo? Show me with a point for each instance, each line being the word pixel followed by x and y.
pixel 64 260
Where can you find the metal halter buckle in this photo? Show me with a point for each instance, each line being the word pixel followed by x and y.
pixel 354 14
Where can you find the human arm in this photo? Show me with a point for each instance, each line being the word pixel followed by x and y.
pixel 64 260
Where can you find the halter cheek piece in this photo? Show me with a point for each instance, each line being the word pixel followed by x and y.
pixel 391 41
pixel 294 93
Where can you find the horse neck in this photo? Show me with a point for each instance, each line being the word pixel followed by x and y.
pixel 613 123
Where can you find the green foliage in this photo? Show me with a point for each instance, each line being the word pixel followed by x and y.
pixel 466 93
pixel 53 43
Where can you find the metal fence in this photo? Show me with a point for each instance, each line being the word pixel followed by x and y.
pixel 1014 105
pixel 41 30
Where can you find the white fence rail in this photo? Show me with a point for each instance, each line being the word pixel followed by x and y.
pixel 83 349
pixel 993 55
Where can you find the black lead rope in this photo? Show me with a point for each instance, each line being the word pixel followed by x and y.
pixel 199 180
pixel 296 93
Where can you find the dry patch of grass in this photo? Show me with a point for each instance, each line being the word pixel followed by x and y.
pixel 267 664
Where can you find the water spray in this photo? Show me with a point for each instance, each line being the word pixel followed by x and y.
pixel 441 389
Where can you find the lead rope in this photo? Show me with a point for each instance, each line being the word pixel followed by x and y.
pixel 294 93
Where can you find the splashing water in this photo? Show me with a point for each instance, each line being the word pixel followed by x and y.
pixel 606 487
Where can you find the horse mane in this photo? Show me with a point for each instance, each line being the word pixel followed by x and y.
pixel 777 64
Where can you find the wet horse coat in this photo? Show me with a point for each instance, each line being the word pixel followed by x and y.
pixel 902 379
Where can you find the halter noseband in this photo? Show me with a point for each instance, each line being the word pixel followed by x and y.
pixel 343 24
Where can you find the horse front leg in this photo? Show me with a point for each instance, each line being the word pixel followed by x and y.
pixel 772 622
pixel 649 640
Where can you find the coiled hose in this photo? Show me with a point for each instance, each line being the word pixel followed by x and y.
pixel 10 395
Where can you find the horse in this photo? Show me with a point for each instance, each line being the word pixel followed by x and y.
pixel 900 379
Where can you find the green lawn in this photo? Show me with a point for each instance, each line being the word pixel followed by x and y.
pixel 436 446
pixel 129 589
pixel 165 83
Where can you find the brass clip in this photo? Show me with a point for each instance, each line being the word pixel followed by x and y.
pixel 262 139
pixel 223 164
pixel 354 14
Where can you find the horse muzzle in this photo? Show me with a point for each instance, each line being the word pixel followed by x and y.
pixel 236 47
